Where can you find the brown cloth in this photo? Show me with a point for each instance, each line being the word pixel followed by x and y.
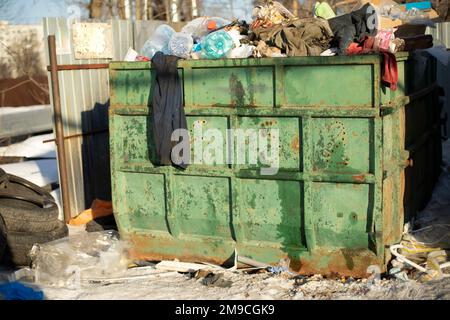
pixel 298 37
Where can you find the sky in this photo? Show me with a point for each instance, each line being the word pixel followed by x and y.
pixel 32 11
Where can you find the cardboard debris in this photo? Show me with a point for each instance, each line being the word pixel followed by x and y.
pixel 388 23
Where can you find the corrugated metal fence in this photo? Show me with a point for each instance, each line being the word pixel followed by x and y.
pixel 83 95
pixel 441 34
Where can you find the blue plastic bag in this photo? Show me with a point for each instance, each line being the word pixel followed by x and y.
pixel 18 291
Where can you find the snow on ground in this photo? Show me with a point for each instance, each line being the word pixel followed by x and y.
pixel 283 286
pixel 33 147
pixel 40 172
pixel 178 286
pixel 239 285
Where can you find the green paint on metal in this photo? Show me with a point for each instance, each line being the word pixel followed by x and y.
pixel 337 199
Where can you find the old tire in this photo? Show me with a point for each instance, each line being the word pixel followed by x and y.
pixel 20 243
pixel 23 216
pixel 26 207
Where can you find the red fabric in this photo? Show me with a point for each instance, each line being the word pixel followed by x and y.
pixel 365 46
pixel 354 48
pixel 142 58
pixel 368 44
pixel 389 72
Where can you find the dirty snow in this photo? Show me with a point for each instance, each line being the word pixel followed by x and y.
pixel 173 285
pixel 284 286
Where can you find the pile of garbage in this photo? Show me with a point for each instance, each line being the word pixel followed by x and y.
pixel 376 26
pixel 422 254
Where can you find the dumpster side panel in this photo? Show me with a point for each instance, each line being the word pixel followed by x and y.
pixel 235 87
pixel 324 85
pixel 338 192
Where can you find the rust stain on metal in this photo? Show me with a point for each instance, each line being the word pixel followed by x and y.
pixel 358 177
pixel 237 91
pixel 295 144
pixel 141 247
pixel 388 219
pixel 343 262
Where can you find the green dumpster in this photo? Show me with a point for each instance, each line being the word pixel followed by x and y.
pixel 356 160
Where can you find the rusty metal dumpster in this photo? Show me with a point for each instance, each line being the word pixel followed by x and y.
pixel 357 160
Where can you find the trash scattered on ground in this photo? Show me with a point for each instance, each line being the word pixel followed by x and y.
pixel 214 279
pixel 18 291
pixel 68 261
pixel 423 252
pixel 251 262
pixel 182 266
pixel 398 273
pixel 209 278
pixel 282 268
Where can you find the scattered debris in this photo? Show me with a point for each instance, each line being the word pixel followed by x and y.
pixel 18 291
pixel 213 279
pixel 251 262
pixel 66 262
pixel 424 250
pixel 182 266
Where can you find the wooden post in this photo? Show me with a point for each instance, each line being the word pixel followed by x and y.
pixel 64 180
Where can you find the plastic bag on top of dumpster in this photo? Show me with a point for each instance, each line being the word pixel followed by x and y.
pixel 216 45
pixel 159 41
pixel 279 28
pixel 180 45
pixel 240 50
pixel 263 50
pixel 297 37
pixel 67 262
pixel 202 26
pixel 243 51
pixel 270 14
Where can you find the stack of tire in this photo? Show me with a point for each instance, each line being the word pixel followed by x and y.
pixel 28 215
